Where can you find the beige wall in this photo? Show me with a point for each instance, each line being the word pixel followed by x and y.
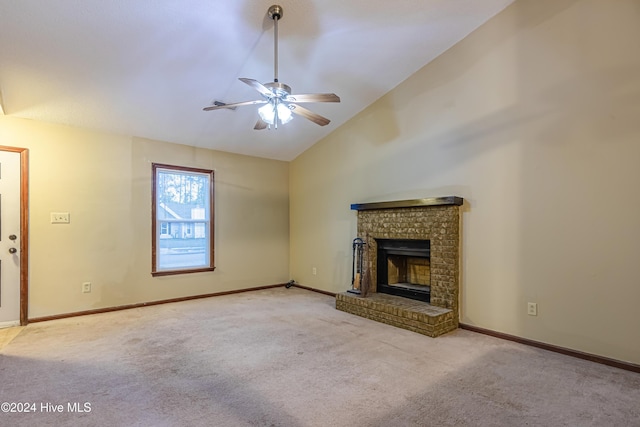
pixel 535 120
pixel 104 181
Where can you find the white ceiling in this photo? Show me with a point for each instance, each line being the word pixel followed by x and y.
pixel 147 67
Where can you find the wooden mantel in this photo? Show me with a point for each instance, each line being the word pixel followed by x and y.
pixel 432 201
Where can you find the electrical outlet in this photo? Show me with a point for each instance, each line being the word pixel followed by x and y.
pixel 59 217
pixel 532 309
pixel 86 287
pixel 314 271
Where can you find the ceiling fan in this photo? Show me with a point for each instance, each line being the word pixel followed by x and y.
pixel 278 101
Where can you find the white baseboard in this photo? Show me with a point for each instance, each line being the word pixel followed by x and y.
pixel 9 324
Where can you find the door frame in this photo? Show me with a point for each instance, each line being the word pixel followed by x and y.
pixel 24 230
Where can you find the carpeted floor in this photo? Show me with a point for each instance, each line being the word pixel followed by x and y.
pixel 287 357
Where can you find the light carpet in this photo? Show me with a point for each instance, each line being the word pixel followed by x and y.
pixel 287 357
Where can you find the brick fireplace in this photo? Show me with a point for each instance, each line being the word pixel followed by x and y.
pixel 433 220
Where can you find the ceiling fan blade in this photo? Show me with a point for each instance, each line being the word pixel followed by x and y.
pixel 257 86
pixel 232 106
pixel 260 125
pixel 313 97
pixel 307 114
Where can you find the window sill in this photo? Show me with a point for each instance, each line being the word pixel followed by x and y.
pixel 186 271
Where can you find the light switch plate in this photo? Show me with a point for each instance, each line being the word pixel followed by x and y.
pixel 59 217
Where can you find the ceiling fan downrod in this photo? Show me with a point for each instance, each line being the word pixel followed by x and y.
pixel 275 12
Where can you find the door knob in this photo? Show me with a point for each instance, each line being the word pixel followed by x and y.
pixel 12 250
pixel 13 237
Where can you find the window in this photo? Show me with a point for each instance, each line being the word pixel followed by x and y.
pixel 182 223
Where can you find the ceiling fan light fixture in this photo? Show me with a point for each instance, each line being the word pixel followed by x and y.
pixel 271 114
pixel 267 113
pixel 284 114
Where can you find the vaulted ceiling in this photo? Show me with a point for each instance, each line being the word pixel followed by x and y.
pixel 147 67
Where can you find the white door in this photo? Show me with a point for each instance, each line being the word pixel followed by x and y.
pixel 9 238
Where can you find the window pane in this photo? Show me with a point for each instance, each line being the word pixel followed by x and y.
pixel 182 196
pixel 185 246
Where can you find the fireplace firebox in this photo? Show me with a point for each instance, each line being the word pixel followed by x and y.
pixel 404 268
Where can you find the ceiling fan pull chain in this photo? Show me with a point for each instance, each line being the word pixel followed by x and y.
pixel 275 112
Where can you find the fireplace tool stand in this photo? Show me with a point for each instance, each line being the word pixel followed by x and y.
pixel 356 266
